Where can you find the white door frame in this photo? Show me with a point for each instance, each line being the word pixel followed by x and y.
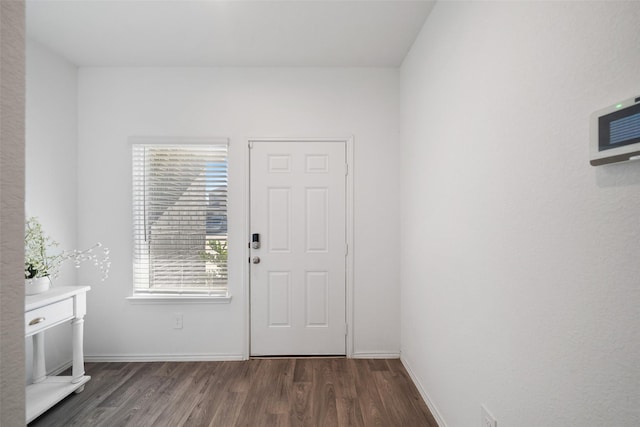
pixel 349 271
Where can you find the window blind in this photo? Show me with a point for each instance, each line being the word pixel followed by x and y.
pixel 180 219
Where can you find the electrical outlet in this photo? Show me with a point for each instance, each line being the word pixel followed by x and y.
pixel 487 419
pixel 177 320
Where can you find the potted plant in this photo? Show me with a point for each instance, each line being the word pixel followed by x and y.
pixel 42 262
pixel 39 264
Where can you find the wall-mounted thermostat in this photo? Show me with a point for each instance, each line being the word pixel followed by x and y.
pixel 615 133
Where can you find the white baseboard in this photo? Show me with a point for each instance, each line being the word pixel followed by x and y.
pixel 55 371
pixel 163 357
pixel 204 357
pixel 425 396
pixel 374 355
pixel 60 369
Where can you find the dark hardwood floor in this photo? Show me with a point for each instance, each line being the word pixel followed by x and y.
pixel 254 393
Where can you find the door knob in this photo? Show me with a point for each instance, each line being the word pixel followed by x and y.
pixel 255 260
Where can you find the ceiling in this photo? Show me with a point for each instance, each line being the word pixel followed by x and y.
pixel 266 33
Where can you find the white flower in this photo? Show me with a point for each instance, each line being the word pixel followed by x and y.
pixel 40 262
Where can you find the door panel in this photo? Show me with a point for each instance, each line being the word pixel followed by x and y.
pixel 297 192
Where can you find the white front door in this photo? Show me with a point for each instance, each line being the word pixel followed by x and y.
pixel 298 208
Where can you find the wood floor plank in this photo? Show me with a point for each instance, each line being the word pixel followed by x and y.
pixel 303 371
pixel 407 389
pixel 324 393
pixel 293 392
pixel 300 414
pixel 219 382
pixel 105 378
pixel 231 403
pixel 150 394
pixel 377 365
pixel 281 385
pixel 372 408
pixel 259 398
pixel 347 402
pixel 128 387
pixel 177 401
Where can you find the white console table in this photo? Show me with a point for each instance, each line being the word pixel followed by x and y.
pixel 43 311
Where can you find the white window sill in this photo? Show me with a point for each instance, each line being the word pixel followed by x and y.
pixel 179 299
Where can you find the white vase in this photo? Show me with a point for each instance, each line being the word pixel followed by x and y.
pixel 37 286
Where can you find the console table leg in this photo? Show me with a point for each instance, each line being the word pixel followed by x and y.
pixel 77 370
pixel 39 369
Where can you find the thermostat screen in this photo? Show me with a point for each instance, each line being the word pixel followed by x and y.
pixel 620 128
pixel 625 129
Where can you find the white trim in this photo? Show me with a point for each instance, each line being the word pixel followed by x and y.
pixel 374 355
pixel 349 224
pixel 246 269
pixel 308 139
pixel 350 320
pixel 425 396
pixel 177 140
pixel 217 148
pixel 221 357
pixel 175 299
pixel 60 369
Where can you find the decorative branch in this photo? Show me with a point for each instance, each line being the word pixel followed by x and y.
pixel 39 262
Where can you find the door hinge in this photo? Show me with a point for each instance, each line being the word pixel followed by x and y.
pixel 346 169
pixel 250 144
pixel 346 329
pixel 346 249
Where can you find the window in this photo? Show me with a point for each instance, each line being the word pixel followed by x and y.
pixel 180 219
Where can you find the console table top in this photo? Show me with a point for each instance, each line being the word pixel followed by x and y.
pixel 54 294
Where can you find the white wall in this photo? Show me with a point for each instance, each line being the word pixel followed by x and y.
pixel 116 103
pixel 51 147
pixel 520 272
pixel 51 154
